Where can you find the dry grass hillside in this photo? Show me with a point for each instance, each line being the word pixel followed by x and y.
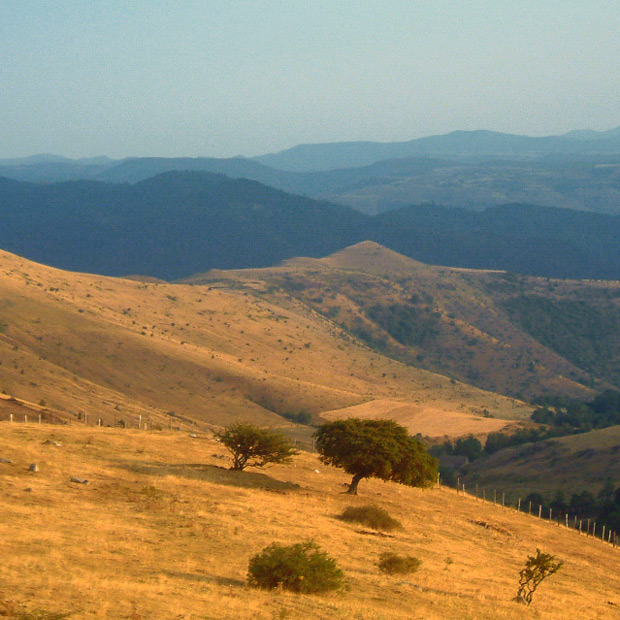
pixel 516 335
pixel 77 346
pixel 163 531
pixel 572 464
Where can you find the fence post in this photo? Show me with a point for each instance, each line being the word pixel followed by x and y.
pixel 594 530
pixel 11 418
pixel 39 418
pixel 550 514
pixel 463 489
pixel 140 420
pixel 588 530
pixel 603 534
pixel 580 522
pixel 540 511
pixel 530 507
pixel 494 497
pixel 503 498
pixel 567 519
pixel 519 505
pixel 458 484
pixel 25 419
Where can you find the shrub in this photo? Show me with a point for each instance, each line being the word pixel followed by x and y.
pixel 301 567
pixel 252 446
pixel 372 516
pixel 537 568
pixel 394 564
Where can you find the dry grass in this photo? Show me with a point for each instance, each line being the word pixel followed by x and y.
pixel 163 532
pixel 119 349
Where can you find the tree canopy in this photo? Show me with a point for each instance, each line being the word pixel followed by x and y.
pixel 375 448
pixel 252 446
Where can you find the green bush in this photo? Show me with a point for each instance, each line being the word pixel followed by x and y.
pixel 394 564
pixel 301 567
pixel 371 516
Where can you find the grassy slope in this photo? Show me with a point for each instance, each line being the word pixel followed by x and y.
pixel 572 464
pixel 163 531
pixel 118 349
pixel 452 321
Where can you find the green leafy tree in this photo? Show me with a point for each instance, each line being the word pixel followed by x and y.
pixel 252 446
pixel 375 448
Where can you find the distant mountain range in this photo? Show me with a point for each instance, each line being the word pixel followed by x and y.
pixel 179 223
pixel 473 170
pixel 481 143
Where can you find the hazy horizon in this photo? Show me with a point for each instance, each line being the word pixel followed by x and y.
pixel 222 78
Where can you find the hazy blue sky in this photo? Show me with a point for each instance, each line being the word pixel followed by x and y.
pixel 226 77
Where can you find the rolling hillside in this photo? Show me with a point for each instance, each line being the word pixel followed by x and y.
pixel 162 530
pixel 511 334
pixel 569 464
pixel 118 349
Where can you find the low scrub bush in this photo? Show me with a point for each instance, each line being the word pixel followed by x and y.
pixel 371 516
pixel 394 564
pixel 536 569
pixel 301 567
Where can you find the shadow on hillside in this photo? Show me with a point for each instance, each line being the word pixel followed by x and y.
pixel 220 581
pixel 212 473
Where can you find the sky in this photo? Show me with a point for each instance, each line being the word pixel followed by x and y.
pixel 221 78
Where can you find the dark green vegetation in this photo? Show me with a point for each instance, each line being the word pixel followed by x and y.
pixel 536 569
pixel 565 473
pixel 529 451
pixel 582 331
pixel 558 416
pixel 179 223
pixel 375 448
pixel 371 516
pixel 301 567
pixel 252 446
pixel 394 564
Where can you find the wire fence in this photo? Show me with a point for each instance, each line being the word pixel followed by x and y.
pixel 586 527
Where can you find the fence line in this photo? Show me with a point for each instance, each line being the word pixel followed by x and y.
pixel 581 526
pixel 82 418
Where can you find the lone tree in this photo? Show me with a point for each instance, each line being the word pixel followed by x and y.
pixel 375 448
pixel 252 446
pixel 536 569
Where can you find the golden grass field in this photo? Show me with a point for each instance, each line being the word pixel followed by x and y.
pixel 118 349
pixel 164 532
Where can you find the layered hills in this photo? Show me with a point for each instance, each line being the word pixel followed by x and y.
pixel 473 170
pixel 179 223
pixel 81 347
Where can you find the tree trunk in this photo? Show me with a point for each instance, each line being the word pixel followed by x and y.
pixel 352 490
